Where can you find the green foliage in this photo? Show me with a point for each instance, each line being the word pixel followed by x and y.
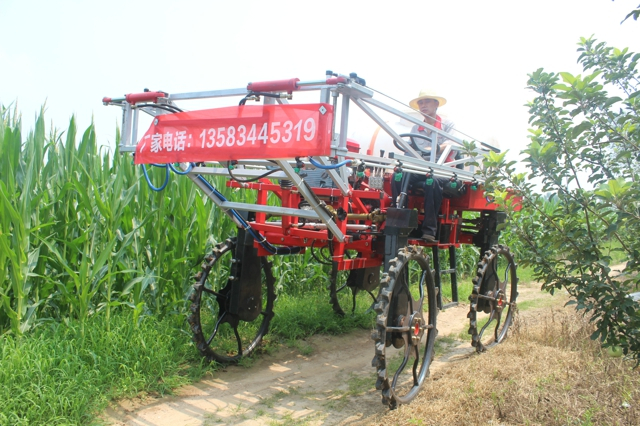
pixel 633 14
pixel 585 202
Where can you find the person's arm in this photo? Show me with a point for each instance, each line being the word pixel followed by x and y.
pixel 448 126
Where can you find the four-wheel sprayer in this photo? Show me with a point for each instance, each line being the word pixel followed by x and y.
pixel 315 191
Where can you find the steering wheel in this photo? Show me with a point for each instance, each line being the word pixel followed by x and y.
pixel 414 145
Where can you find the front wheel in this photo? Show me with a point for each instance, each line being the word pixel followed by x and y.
pixel 221 331
pixel 406 327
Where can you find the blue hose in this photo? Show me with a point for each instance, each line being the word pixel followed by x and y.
pixel 255 234
pixel 239 219
pixel 329 167
pixel 178 172
pixel 166 179
pixel 146 176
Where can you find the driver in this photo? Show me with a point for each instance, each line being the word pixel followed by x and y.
pixel 428 102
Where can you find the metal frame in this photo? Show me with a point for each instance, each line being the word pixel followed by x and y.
pixel 350 92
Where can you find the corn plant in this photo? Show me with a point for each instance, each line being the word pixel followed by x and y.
pixel 20 221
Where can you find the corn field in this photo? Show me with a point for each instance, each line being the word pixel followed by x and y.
pixel 81 233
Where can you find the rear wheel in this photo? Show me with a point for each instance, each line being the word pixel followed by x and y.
pixel 348 288
pixel 493 299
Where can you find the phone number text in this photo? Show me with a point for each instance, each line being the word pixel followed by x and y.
pixel 272 132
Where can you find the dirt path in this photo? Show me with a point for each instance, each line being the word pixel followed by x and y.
pixel 334 385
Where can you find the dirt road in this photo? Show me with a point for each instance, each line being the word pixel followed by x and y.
pixel 332 385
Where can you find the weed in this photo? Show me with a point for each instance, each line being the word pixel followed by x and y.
pixel 303 347
pixel 247 361
pixel 287 419
pixel 359 384
pixel 210 419
pixel 443 343
pixel 278 396
pixel 239 411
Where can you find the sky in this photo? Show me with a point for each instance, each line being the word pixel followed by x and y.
pixel 477 54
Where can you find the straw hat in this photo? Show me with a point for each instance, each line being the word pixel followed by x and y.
pixel 427 94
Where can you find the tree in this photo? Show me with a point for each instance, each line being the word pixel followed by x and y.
pixel 584 153
pixel 633 14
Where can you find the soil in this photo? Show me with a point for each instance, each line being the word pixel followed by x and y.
pixel 332 385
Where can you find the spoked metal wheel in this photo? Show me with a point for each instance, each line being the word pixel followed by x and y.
pixel 346 289
pixel 229 323
pixel 405 328
pixel 493 300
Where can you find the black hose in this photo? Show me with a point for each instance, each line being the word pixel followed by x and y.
pixel 170 108
pixel 264 175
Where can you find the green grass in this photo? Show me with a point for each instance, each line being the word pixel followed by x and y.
pixel 465 287
pixel 300 317
pixel 537 303
pixel 525 275
pixel 58 375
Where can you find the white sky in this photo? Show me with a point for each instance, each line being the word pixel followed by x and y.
pixel 477 54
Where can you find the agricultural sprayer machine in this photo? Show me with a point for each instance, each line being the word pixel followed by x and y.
pixel 314 190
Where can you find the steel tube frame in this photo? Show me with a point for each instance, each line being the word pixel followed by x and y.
pixel 350 92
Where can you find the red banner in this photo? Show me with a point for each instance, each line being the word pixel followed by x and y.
pixel 240 132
